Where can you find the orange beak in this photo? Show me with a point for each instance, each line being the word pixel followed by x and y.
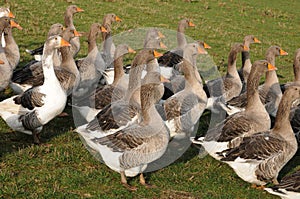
pixel 160 35
pixel 271 67
pixel 77 34
pixel 11 15
pixel 130 50
pixel 15 25
pixel 162 45
pixel 246 48
pixel 64 43
pixel 2 62
pixel 282 52
pixel 118 19
pixel 201 50
pixel 157 54
pixel 191 24
pixel 103 29
pixel 206 46
pixel 79 9
pixel 163 79
pixel 256 40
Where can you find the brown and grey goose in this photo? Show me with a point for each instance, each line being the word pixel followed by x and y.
pixel 260 157
pixel 246 62
pixel 5 69
pixel 270 92
pixel 108 45
pixel 121 113
pixel 11 47
pixel 184 109
pixel 102 96
pixel 254 118
pixel 69 23
pixel 229 86
pixel 92 66
pixel 130 150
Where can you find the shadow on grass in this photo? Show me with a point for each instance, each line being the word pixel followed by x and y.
pixel 11 141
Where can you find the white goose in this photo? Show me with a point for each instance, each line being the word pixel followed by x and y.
pixel 48 99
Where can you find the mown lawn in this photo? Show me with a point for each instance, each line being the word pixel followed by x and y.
pixel 63 168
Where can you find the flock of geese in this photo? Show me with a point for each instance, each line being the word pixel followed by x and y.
pixel 133 118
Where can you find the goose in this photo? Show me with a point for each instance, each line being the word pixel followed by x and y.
pixel 5 12
pixel 260 156
pixel 185 107
pixel 39 104
pixel 55 29
pixel 68 18
pixel 11 48
pixel 230 85
pixel 101 97
pixel 19 81
pixel 92 66
pixel 130 150
pixel 67 72
pixel 177 82
pixel 108 45
pixel 121 113
pixel 152 40
pixel 5 69
pixel 253 119
pixel 169 57
pixel 246 62
pixel 288 188
pixel 270 93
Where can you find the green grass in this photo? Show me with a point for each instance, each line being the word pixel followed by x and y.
pixel 63 168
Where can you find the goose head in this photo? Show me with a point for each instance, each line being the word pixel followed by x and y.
pixel 56 29
pixel 185 23
pixel 55 42
pixel 192 50
pixel 69 33
pixel 5 12
pixel 262 66
pixel 73 9
pixel 108 19
pixel 250 39
pixel 96 29
pixel 292 92
pixel 6 22
pixel 275 51
pixel 123 49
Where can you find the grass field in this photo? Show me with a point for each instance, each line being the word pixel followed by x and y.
pixel 63 168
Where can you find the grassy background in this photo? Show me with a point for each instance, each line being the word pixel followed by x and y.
pixel 62 167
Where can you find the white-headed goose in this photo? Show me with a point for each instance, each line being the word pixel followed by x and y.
pixel 259 157
pixel 67 72
pixel 130 150
pixel 253 119
pixel 39 104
